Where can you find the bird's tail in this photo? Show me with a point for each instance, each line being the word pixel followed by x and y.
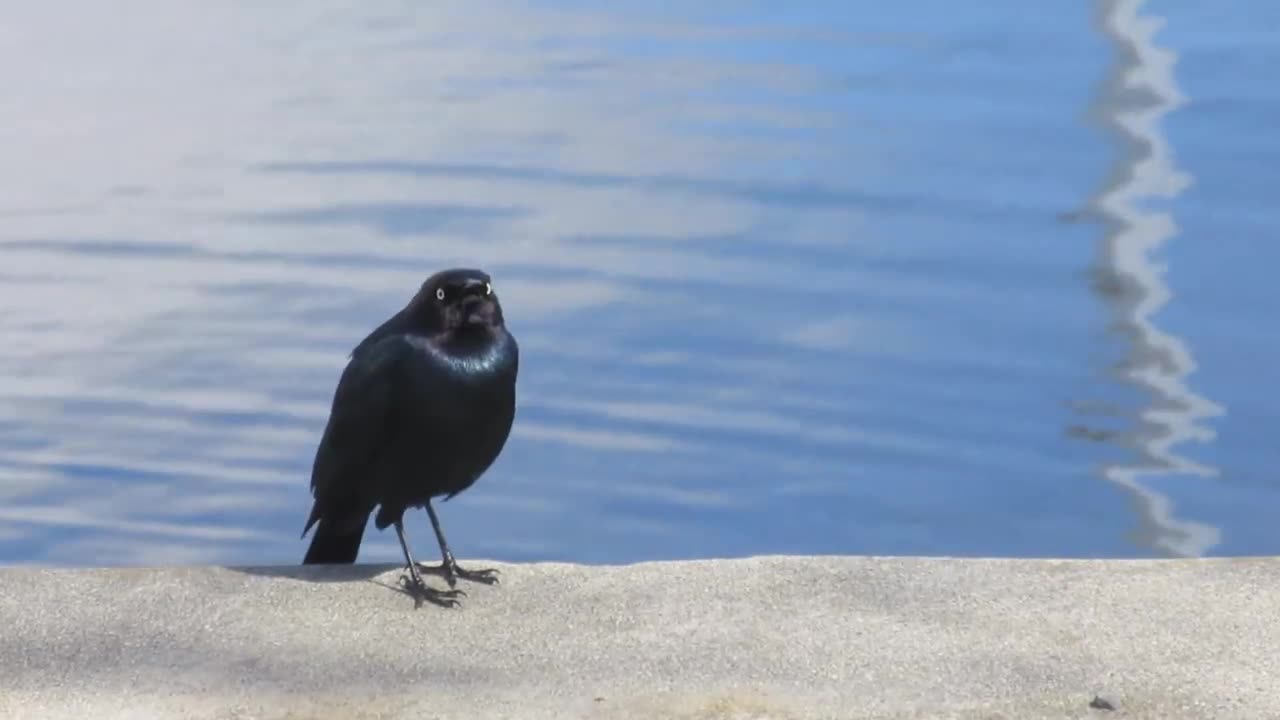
pixel 335 542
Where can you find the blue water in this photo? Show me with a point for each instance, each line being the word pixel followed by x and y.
pixel 823 277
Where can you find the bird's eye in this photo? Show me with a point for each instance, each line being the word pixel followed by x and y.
pixel 439 293
pixel 488 289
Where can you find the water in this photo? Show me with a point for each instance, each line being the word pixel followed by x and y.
pixel 825 278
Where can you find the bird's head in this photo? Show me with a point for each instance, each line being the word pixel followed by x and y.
pixel 459 302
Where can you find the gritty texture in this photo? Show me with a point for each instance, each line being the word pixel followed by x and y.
pixel 769 637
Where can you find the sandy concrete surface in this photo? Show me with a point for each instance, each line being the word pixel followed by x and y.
pixel 771 637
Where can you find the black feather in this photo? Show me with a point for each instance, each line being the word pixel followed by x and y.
pixel 422 409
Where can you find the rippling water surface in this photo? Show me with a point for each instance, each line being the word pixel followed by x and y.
pixel 824 277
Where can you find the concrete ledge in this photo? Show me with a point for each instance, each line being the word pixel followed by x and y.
pixel 756 638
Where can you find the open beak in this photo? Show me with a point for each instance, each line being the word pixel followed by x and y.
pixel 473 311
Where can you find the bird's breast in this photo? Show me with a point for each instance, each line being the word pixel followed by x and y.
pixel 462 395
pixel 491 362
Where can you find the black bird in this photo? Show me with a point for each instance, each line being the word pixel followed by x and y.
pixel 422 409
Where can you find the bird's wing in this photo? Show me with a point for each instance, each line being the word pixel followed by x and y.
pixel 361 406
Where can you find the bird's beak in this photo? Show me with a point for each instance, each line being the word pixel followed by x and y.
pixel 473 311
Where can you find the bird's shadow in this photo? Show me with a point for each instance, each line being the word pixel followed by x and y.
pixel 319 573
pixel 335 573
pixel 331 573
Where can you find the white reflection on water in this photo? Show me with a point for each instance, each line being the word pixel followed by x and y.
pixel 1141 90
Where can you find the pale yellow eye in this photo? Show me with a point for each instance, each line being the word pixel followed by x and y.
pixel 440 293
pixel 488 289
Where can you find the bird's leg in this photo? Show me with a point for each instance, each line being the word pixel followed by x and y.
pixel 413 583
pixel 448 566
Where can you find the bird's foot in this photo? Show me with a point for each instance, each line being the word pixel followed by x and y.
pixel 420 592
pixel 451 571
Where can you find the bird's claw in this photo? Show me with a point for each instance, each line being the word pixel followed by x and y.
pixel 488 576
pixel 420 592
pixel 452 572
